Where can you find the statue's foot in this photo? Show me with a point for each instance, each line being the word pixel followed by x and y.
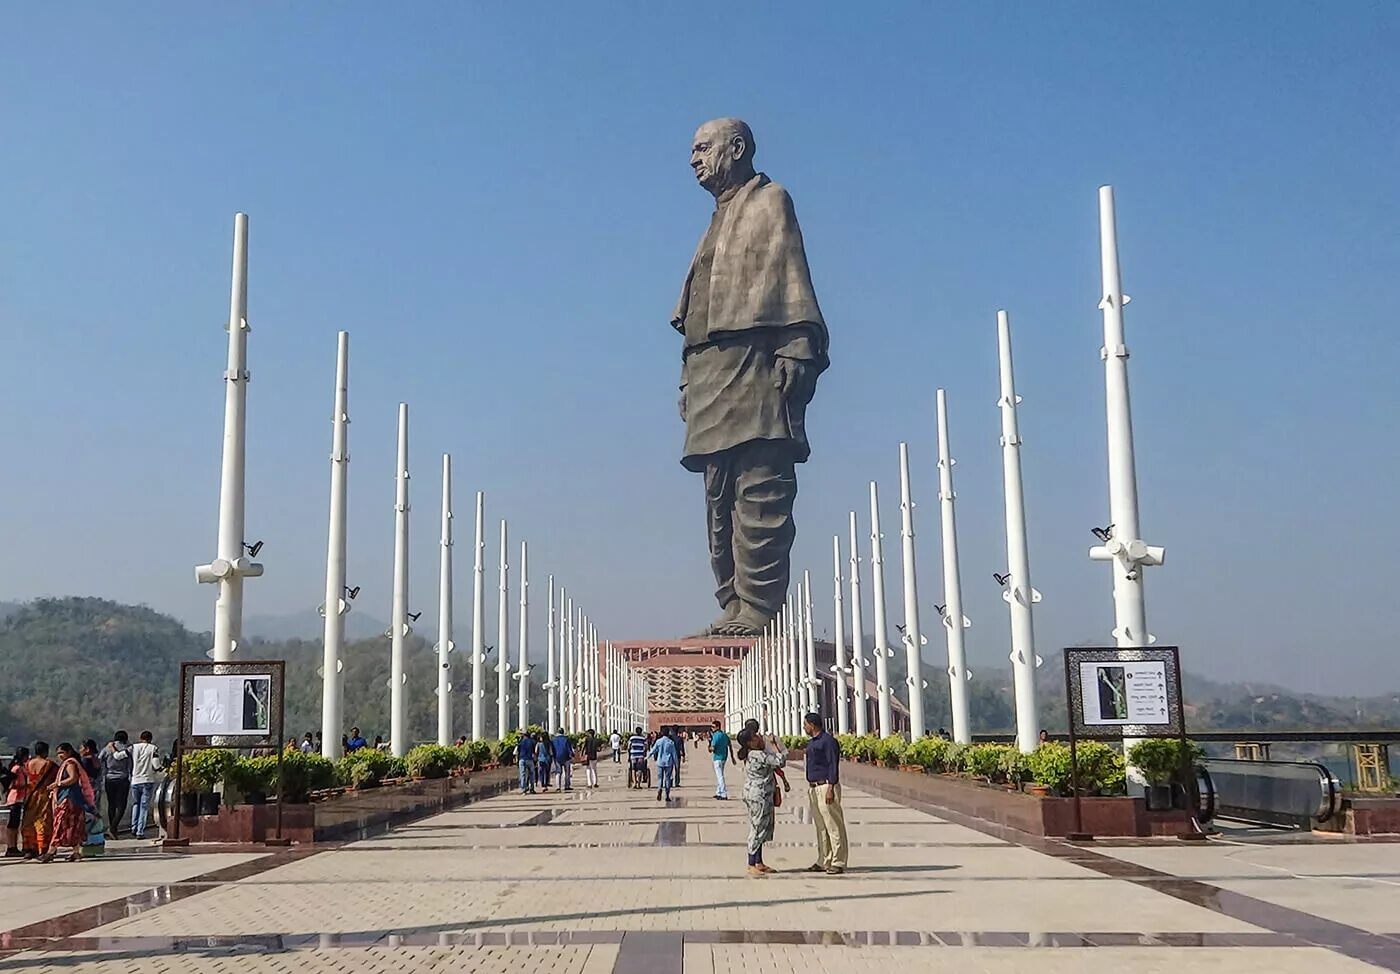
pixel 727 617
pixel 749 622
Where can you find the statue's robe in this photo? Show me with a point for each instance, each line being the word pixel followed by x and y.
pixel 746 302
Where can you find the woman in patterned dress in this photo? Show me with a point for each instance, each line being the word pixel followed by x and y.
pixel 762 758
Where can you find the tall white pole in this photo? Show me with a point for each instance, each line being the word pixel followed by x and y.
pixel 1123 546
pixel 522 672
pixel 882 648
pixel 1018 593
pixel 444 643
pixel 570 691
pixel 230 565
pixel 479 625
pixel 552 681
pixel 953 619
pixel 398 620
pixel 814 683
pixel 862 719
pixel 794 665
pixel 503 643
pixel 913 637
pixel 843 720
pixel 336 605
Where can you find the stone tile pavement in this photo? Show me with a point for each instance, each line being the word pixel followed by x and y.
pixel 611 881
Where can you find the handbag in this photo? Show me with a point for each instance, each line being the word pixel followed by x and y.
pixel 777 796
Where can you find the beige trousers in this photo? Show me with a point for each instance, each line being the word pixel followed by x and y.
pixel 831 826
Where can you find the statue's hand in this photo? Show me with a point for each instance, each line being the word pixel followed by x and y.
pixel 794 379
pixel 681 403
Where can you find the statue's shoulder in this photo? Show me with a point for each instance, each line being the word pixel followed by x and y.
pixel 771 196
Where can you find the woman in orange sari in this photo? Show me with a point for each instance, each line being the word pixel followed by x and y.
pixel 36 824
pixel 72 798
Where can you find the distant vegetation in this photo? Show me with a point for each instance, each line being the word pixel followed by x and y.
pixel 80 667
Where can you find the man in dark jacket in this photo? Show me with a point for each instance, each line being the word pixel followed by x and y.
pixel 564 760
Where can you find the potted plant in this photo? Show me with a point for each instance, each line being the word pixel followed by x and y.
pixel 204 771
pixel 1164 762
pixel 250 780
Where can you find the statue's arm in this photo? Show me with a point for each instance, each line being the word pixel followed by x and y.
pixel 798 361
pixel 684 379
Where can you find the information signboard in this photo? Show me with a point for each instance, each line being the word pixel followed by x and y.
pixel 1124 692
pixel 231 704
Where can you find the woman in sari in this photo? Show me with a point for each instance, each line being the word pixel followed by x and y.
pixel 761 758
pixel 14 798
pixel 36 824
pixel 72 793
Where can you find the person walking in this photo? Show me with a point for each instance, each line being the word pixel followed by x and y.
pixel 664 750
pixel 308 744
pixel 116 780
pixel 542 756
pixel 355 741
pixel 761 757
pixel 91 761
pixel 146 767
pixel 16 790
pixel 636 759
pixel 616 741
pixel 679 741
pixel 36 824
pixel 73 799
pixel 525 757
pixel 721 753
pixel 591 746
pixel 824 798
pixel 564 760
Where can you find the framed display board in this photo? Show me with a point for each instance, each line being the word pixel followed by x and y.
pixel 1118 693
pixel 230 705
pixel 235 704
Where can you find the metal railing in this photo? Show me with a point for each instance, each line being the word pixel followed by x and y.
pixel 1296 794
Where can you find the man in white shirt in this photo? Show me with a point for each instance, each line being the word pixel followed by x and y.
pixel 616 742
pixel 145 772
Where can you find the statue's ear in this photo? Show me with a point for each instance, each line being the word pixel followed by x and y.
pixel 737 147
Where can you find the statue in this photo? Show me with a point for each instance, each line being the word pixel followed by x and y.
pixel 754 342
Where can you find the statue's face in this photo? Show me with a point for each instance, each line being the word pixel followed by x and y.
pixel 713 156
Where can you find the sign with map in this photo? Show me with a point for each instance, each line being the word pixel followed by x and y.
pixel 1124 692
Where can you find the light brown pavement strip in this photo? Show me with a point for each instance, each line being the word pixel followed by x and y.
pixel 612 881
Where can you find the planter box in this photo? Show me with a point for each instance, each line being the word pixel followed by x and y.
pixel 1023 812
pixel 1364 816
pixel 352 815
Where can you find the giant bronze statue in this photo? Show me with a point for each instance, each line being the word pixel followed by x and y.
pixel 753 345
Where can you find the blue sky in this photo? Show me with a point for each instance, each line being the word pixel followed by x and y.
pixel 495 201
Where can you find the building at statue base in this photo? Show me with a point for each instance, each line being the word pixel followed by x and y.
pixel 686 680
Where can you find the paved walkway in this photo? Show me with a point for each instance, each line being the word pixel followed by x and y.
pixel 611 881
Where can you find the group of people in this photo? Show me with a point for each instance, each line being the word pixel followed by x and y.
pixel 56 802
pixel 543 759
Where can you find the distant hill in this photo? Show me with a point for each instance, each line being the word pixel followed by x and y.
pixel 309 624
pixel 73 668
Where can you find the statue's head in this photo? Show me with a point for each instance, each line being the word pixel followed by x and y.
pixel 722 154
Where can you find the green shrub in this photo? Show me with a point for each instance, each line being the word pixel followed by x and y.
pixel 364 768
pixel 847 744
pixel 1101 768
pixel 928 752
pixel 890 751
pixel 247 776
pixel 303 774
pixel 794 741
pixel 984 760
pixel 1161 759
pixel 398 768
pixel 865 747
pixel 1014 766
pixel 435 760
pixel 206 769
pixel 955 758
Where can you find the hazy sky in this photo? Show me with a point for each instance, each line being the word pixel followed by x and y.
pixel 496 204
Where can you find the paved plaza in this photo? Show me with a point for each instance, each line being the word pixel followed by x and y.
pixel 611 881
